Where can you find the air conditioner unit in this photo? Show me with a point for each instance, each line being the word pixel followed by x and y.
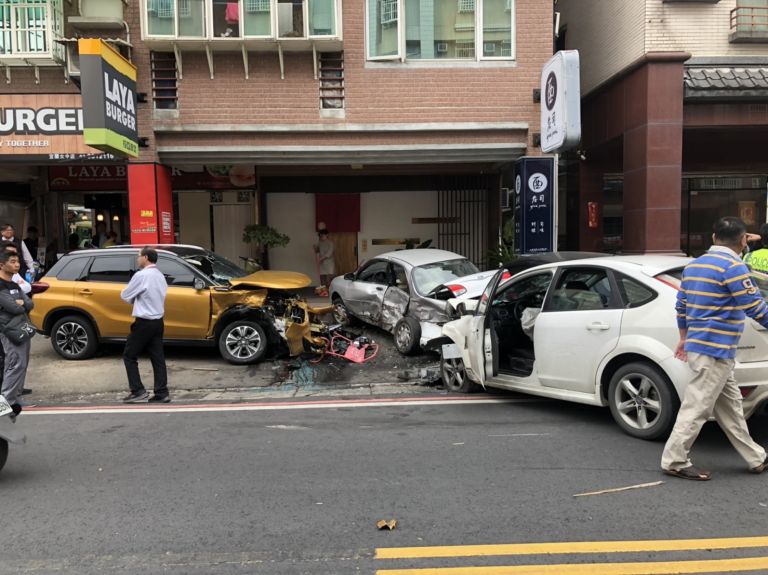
pixel 442 47
pixel 507 199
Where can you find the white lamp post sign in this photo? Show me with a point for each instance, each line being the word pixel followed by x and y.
pixel 560 102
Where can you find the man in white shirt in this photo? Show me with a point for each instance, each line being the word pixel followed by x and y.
pixel 146 291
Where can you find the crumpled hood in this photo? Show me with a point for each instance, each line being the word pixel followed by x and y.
pixel 273 280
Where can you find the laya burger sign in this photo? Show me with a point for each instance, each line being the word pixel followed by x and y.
pixel 108 85
pixel 39 127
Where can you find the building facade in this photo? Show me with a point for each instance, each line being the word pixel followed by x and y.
pixel 675 120
pixel 394 122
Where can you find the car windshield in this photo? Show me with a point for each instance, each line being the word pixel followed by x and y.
pixel 216 267
pixel 427 278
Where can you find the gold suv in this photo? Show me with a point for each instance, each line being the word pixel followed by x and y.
pixel 77 304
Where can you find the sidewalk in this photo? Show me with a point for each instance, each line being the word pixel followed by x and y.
pixel 199 373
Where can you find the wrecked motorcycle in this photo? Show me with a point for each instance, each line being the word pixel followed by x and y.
pixel 8 432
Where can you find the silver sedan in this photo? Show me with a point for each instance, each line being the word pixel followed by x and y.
pixel 406 293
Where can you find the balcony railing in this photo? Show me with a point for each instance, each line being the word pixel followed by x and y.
pixel 749 24
pixel 28 32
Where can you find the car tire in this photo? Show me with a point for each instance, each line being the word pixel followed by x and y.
pixel 407 335
pixel 341 313
pixel 3 453
pixel 242 342
pixel 73 337
pixel 454 376
pixel 643 401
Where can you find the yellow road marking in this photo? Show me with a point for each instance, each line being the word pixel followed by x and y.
pixel 662 568
pixel 570 547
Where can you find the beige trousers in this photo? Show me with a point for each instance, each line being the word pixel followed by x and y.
pixel 712 391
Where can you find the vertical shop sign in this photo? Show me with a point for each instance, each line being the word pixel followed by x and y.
pixel 150 204
pixel 108 85
pixel 535 199
pixel 593 215
pixel 560 102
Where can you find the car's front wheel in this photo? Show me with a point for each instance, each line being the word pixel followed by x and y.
pixel 407 335
pixel 454 376
pixel 73 337
pixel 341 313
pixel 242 342
pixel 643 401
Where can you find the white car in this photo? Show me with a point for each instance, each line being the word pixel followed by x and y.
pixel 406 292
pixel 599 331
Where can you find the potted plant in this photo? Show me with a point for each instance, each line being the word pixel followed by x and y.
pixel 263 237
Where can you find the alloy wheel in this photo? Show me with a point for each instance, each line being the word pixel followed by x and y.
pixel 243 342
pixel 403 336
pixel 453 373
pixel 71 338
pixel 638 401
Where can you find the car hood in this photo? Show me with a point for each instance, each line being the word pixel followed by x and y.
pixel 273 280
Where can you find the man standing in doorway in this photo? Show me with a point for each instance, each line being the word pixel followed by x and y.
pixel 146 291
pixel 715 297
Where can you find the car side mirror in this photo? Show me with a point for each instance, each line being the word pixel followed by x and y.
pixel 350 276
pixel 199 284
pixel 444 293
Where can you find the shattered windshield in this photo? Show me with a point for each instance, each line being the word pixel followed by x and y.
pixel 427 278
pixel 216 267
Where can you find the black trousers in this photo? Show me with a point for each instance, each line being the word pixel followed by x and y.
pixel 146 335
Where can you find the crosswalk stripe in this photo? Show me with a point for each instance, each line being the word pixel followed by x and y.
pixel 570 547
pixel 653 568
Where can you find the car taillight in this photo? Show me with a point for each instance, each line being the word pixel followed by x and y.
pixel 457 289
pixel 39 287
pixel 747 390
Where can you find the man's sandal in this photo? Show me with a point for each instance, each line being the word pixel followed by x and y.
pixel 760 468
pixel 691 473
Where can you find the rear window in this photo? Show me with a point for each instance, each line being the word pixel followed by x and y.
pixel 427 278
pixel 69 269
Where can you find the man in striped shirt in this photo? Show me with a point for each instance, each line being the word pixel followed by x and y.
pixel 715 298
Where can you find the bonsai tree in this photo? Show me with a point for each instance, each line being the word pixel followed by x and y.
pixel 263 237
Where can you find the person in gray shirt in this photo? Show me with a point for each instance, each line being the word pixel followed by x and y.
pixel 146 291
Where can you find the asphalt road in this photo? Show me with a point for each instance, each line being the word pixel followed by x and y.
pixel 294 491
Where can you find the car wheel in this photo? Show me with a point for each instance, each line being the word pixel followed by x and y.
pixel 73 337
pixel 3 452
pixel 643 401
pixel 242 342
pixel 341 313
pixel 407 335
pixel 454 376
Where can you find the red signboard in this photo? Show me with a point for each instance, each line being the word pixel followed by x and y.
pixel 150 204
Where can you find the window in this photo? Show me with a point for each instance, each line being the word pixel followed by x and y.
pixel 290 18
pixel 428 277
pixel 29 28
pixel 331 68
pixel 376 272
pixel 441 29
pixel 116 269
pixel 176 274
pixel 178 18
pixel 72 270
pixel 252 6
pixel 633 293
pixel 581 289
pixel 401 278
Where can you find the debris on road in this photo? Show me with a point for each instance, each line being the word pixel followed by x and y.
pixel 421 375
pixel 387 524
pixel 617 489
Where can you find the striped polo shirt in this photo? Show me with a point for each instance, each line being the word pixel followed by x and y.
pixel 715 297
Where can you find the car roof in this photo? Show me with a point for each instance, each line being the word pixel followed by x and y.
pixel 115 249
pixel 526 261
pixel 420 257
pixel 650 265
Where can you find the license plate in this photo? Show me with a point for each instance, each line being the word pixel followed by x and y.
pixel 5 407
pixel 451 351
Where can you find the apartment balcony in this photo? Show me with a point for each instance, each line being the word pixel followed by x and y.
pixel 247 25
pixel 28 33
pixel 749 24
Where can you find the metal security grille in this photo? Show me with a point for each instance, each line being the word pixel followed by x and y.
pixel 164 78
pixel 331 80
pixel 462 219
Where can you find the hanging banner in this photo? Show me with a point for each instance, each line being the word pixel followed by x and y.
pixel 535 199
pixel 108 86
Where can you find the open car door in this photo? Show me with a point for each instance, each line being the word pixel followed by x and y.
pixel 482 342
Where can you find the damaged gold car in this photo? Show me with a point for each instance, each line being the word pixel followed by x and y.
pixel 77 304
